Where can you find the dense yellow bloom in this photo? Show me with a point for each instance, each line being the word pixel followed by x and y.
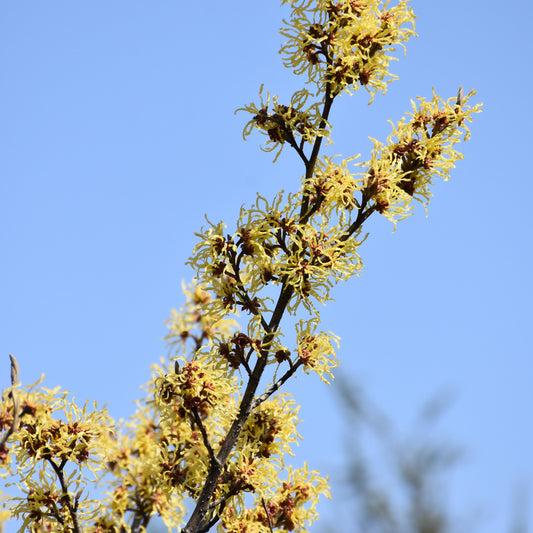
pixel 271 429
pixel 294 124
pixel 193 327
pixel 322 256
pixel 336 186
pixel 316 350
pixel 271 246
pixel 206 431
pixel 345 44
pixel 417 151
pixel 57 450
pixel 145 472
pixel 288 505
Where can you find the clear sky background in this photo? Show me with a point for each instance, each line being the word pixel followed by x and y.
pixel 117 134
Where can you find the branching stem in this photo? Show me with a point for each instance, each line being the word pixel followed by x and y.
pixel 201 427
pixel 58 469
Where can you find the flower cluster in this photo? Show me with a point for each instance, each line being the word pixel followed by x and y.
pixel 146 475
pixel 208 435
pixel 345 44
pixel 57 451
pixel 192 326
pixel 271 428
pixel 333 188
pixel 270 247
pixel 289 505
pixel 316 350
pixel 294 124
pixel 417 151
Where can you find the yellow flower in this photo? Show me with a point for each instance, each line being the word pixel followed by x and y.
pixel 316 350
pixel 417 151
pixel 59 449
pixel 288 505
pixel 343 45
pixel 294 124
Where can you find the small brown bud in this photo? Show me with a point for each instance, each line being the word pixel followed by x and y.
pixel 460 97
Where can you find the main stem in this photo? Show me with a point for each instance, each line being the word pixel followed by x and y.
pixel 194 525
pixel 245 408
pixel 311 163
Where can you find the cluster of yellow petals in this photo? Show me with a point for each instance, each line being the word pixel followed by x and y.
pixel 282 255
pixel 155 462
pixel 152 464
pixel 270 246
pixel 192 326
pixel 294 123
pixel 345 44
pixel 317 350
pixel 336 185
pixel 418 150
pixel 53 438
pixel 288 505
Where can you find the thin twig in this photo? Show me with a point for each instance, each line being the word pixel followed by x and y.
pixel 205 438
pixel 234 489
pixel 243 293
pixel 14 399
pixel 299 150
pixel 221 504
pixel 277 385
pixel 267 514
pixel 66 495
pixel 14 369
pixel 244 361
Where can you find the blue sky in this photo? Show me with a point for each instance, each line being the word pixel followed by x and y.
pixel 118 134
